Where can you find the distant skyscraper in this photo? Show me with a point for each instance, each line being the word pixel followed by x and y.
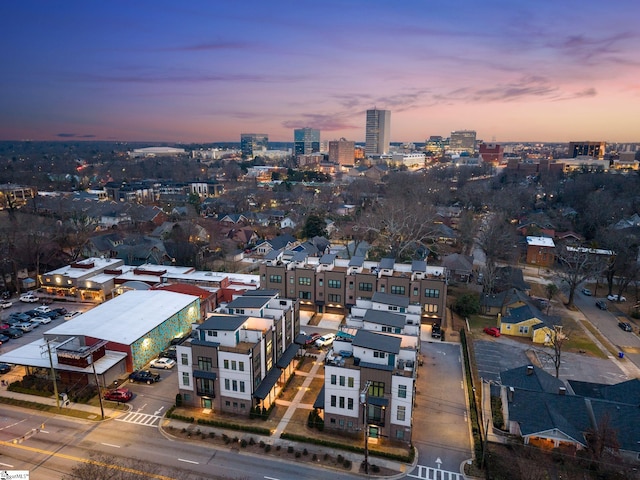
pixel 590 149
pixel 306 141
pixel 342 152
pixel 252 144
pixel 463 141
pixel 378 132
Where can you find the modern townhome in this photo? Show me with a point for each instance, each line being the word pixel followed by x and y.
pixel 241 355
pixel 329 284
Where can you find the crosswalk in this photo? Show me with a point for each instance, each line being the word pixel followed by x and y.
pixel 141 419
pixel 430 473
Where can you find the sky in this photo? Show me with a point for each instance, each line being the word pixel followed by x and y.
pixel 207 71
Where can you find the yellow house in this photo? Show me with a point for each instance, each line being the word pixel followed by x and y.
pixel 526 321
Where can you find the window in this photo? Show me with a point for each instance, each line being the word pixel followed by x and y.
pixel 227 403
pixel 400 434
pixel 333 379
pixel 241 366
pixel 227 384
pixel 341 402
pixel 397 289
pixel 304 281
pixel 432 293
pixel 349 403
pixel 226 364
pixel 376 389
pixel 416 292
pixel 320 282
pixel 402 412
pixel 431 308
pixel 382 288
pixel 402 391
pixel 205 364
pixel 333 400
pixel 350 382
pixel 234 385
pixel 392 308
pixel 185 359
pixel 334 284
pixel 350 424
pixel 185 379
pixel 379 355
pixel 212 333
pixel 275 278
pixel 242 387
pixel 341 422
pixel 365 287
pixel 342 380
pixel 304 295
pixel 524 329
pixel 234 365
pixel 335 298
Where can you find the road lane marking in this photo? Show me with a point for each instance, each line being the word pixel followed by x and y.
pixel 188 461
pixel 270 478
pixel 110 445
pixel 6 465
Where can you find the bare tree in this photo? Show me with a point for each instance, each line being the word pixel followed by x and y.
pixel 551 289
pixel 602 441
pixel 576 265
pixel 556 340
pixel 498 243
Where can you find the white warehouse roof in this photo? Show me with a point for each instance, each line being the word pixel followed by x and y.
pixel 540 242
pixel 127 317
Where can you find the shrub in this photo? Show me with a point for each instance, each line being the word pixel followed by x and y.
pixel 236 439
pixel 243 443
pixel 340 458
pixel 290 449
pixel 305 452
pixel 261 444
pixel 278 448
pixel 298 454
pixel 375 468
pixel 252 441
pixel 326 456
pixel 346 463
pixel 267 448
pixel 315 457
pixel 212 434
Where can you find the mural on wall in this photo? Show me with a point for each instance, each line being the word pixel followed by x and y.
pixel 148 347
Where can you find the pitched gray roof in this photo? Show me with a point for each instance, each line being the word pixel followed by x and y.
pixel 390 299
pixel 418 266
pixel 385 318
pixel 260 293
pixel 327 258
pixel 538 380
pixel 223 322
pixel 377 341
pixel 627 392
pixel 248 302
pixel 387 263
pixel 356 261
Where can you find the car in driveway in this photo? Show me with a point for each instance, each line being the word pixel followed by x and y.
pixel 41 320
pixel 122 395
pixel 13 332
pixel 325 340
pixel 616 298
pixel 493 331
pixel 144 376
pixel 587 292
pixel 311 339
pixel 5 368
pixel 29 298
pixel 626 326
pixel 5 304
pixel 166 363
pixel 70 315
pixel 436 331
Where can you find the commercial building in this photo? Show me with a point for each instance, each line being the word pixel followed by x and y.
pixel 378 132
pixel 587 149
pixel 463 141
pixel 342 152
pixel 241 356
pixel 492 153
pixel 332 285
pixel 252 144
pixel 306 141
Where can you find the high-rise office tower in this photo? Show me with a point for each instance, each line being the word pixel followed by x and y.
pixel 252 144
pixel 377 135
pixel 463 141
pixel 590 149
pixel 342 152
pixel 306 141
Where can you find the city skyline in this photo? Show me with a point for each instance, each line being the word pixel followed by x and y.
pixel 207 72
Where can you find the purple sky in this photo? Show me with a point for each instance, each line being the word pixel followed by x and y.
pixel 206 71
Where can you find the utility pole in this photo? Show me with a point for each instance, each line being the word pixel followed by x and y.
pixel 364 400
pixel 53 375
pixel 95 376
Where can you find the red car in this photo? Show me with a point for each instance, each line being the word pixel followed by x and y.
pixel 119 395
pixel 311 339
pixel 493 331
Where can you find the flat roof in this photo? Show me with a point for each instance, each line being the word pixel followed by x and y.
pixel 385 318
pixel 390 299
pixel 127 317
pixel 249 302
pixel 221 321
pixel 377 341
pixel 540 242
pixel 98 265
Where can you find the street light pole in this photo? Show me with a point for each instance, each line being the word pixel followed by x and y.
pixel 364 400
pixel 95 376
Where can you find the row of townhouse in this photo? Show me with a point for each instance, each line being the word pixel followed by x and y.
pixel 371 370
pixel 242 355
pixel 332 285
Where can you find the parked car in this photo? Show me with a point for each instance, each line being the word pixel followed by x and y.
pixel 587 292
pixel 162 362
pixel 25 326
pixel 118 395
pixel 43 309
pixel 52 314
pixel 325 340
pixel 29 298
pixel 4 326
pixel 31 313
pixel 626 326
pixel 179 339
pixel 601 305
pixel 3 339
pixel 5 368
pixel 144 376
pixel 311 339
pixel 436 331
pixel 615 298
pixel 18 317
pixel 170 353
pixel 41 320
pixel 61 311
pixel 493 331
pixel 13 332
pixel 70 315
pixel 5 304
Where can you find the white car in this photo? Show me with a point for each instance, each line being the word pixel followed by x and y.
pixel 25 326
pixel 614 298
pixel 42 309
pixel 325 340
pixel 5 303
pixel 163 362
pixel 41 320
pixel 70 315
pixel 29 298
